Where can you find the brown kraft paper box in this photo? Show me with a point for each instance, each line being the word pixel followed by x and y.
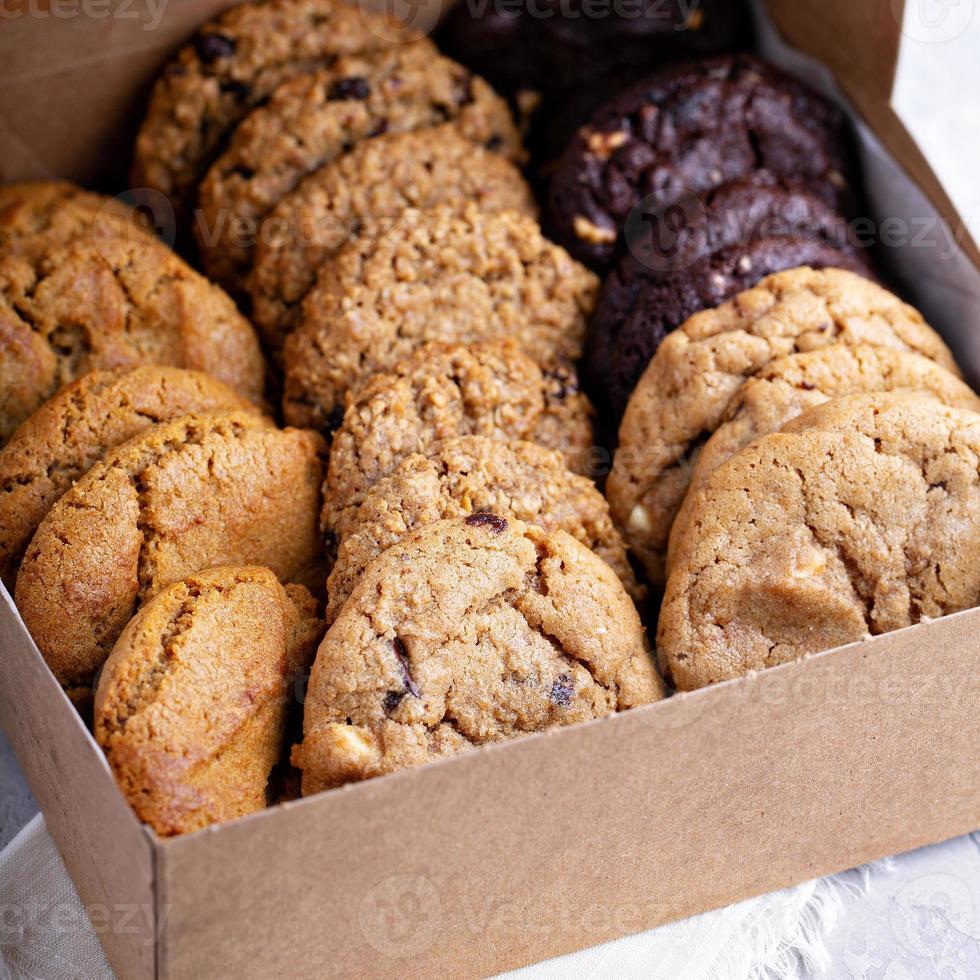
pixel 518 852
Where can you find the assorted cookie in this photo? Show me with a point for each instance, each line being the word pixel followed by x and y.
pixel 860 517
pixel 446 274
pixel 75 428
pixel 697 370
pixel 183 496
pixel 359 194
pixel 192 702
pixel 682 132
pixel 500 629
pixel 797 455
pixel 314 118
pixel 472 475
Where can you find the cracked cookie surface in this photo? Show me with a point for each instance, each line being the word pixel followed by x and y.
pixel 191 704
pixel 75 428
pixel 457 276
pixel 470 475
pixel 185 495
pixel 360 193
pixel 313 119
pixel 447 390
pixel 861 517
pixel 682 396
pixel 465 633
pixel 792 385
pixel 105 303
pixel 233 64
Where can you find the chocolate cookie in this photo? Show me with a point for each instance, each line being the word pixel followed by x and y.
pixel 442 391
pixel 191 704
pixel 639 306
pixel 315 118
pixel 74 429
pixel 792 385
pixel 554 47
pixel 697 370
pixel 184 496
pixel 104 303
pixel 360 193
pixel 233 65
pixel 683 132
pixel 469 632
pixel 470 475
pixel 445 274
pixel 863 516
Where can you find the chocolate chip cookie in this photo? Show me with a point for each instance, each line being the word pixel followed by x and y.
pixel 697 254
pixel 108 303
pixel 315 118
pixel 444 274
pixel 863 516
pixel 191 704
pixel 233 65
pixel 74 429
pixel 469 475
pixel 684 131
pixel 792 385
pixel 185 495
pixel 360 193
pixel 447 390
pixel 682 396
pixel 469 632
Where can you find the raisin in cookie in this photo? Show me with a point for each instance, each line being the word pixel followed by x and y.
pixel 112 303
pixel 682 396
pixel 699 254
pixel 792 385
pixel 468 475
pixel 234 64
pixel 360 193
pixel 465 633
pixel 315 118
pixel 684 131
pixel 863 516
pixel 74 429
pixel 191 704
pixel 447 390
pixel 185 495
pixel 457 276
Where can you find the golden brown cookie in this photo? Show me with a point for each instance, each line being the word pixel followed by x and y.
pixel 469 475
pixel 441 274
pixel 696 371
pixel 191 704
pixel 104 303
pixel 862 516
pixel 186 495
pixel 447 390
pixel 360 193
pixel 39 215
pixel 794 384
pixel 314 118
pixel 465 633
pixel 232 65
pixel 75 428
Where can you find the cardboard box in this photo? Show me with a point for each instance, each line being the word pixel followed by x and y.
pixel 517 852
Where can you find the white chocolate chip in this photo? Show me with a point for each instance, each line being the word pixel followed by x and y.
pixel 602 144
pixel 639 519
pixel 592 233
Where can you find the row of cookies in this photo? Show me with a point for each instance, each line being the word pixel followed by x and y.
pixel 846 365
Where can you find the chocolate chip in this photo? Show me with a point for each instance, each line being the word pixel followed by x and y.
pixel 246 173
pixel 402 654
pixel 495 143
pixel 562 691
pixel 238 90
pixel 380 129
pixel 335 419
pixel 354 87
pixel 496 524
pixel 211 47
pixel 392 700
